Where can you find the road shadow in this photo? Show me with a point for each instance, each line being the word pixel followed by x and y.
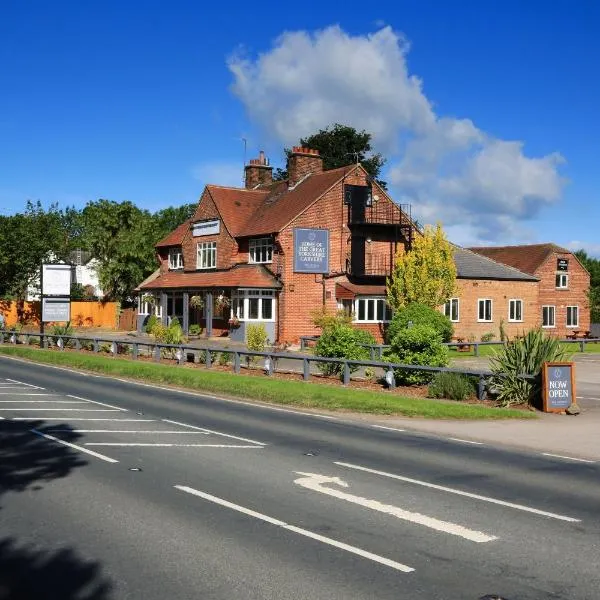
pixel 28 573
pixel 28 460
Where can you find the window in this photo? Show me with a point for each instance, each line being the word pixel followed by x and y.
pixel 562 281
pixel 144 305
pixel 451 309
pixel 175 258
pixel 346 306
pixel 261 250
pixel 253 305
pixel 515 310
pixel 207 255
pixel 548 314
pixel 372 310
pixel 484 309
pixel 572 316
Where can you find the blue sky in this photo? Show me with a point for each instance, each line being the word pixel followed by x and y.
pixel 487 111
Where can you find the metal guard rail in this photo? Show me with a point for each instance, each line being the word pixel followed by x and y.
pixel 181 353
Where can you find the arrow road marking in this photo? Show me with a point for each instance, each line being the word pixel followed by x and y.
pixel 315 482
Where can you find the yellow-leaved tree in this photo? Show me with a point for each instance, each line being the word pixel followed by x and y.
pixel 425 274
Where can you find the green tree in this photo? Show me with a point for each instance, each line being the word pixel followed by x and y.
pixel 26 240
pixel 426 274
pixel 593 266
pixel 168 219
pixel 341 145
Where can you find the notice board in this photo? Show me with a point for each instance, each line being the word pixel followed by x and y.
pixel 558 386
pixel 311 250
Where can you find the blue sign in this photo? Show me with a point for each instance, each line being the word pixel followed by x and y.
pixel 311 250
pixel 559 386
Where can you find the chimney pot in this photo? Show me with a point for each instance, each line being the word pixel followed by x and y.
pixel 258 172
pixel 302 162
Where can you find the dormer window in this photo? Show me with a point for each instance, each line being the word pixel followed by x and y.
pixel 175 258
pixel 261 250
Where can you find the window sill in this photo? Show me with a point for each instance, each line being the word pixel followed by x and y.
pixel 485 320
pixel 175 268
pixel 548 326
pixel 260 262
pixel 515 320
pixel 206 268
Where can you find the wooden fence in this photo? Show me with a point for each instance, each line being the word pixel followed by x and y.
pixel 83 313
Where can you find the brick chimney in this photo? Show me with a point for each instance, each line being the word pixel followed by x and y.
pixel 302 162
pixel 258 172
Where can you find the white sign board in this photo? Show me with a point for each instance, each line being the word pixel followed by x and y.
pixel 56 280
pixel 56 309
pixel 206 228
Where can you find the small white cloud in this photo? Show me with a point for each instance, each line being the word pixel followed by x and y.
pixel 591 248
pixel 482 188
pixel 219 173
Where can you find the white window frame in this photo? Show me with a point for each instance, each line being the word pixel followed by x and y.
pixel 448 309
pixel 510 303
pixel 571 307
pixel 241 299
pixel 175 253
pixel 374 301
pixel 564 277
pixel 143 307
pixel 211 247
pixel 256 247
pixel 484 320
pixel 553 326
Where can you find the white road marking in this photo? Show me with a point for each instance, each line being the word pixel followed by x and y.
pixel 59 441
pixel 443 488
pixel 315 482
pixel 25 394
pixel 37 387
pixel 128 445
pixel 388 428
pixel 64 409
pixel 227 435
pixel 83 419
pixel 126 431
pixel 588 398
pixel 584 460
pixel 304 532
pixel 466 441
pixel 42 401
pixel 96 402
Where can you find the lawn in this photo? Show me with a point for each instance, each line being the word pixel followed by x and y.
pixel 571 348
pixel 272 390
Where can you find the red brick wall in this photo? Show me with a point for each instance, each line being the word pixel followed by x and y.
pixel 500 292
pixel 226 245
pixel 574 295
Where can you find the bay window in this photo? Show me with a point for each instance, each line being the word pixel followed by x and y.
pixel 253 305
pixel 367 310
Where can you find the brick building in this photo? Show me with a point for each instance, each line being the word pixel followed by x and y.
pixel 273 252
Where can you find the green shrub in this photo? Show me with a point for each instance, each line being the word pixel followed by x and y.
pixel 525 356
pixel 420 314
pixel 151 323
pixel 195 329
pixel 342 341
pixel 418 345
pixel 224 358
pixel 61 330
pixel 324 318
pixel 257 337
pixel 488 337
pixel 453 386
pixel 106 348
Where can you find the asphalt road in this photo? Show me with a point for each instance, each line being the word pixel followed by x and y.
pixel 113 490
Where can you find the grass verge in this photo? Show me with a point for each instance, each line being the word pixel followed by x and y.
pixel 277 391
pixel 572 348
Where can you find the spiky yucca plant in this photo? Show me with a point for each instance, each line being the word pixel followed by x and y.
pixel 525 356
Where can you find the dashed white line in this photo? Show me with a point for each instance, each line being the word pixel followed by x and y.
pixel 41 402
pixel 74 446
pixel 135 445
pixel 154 431
pixel 25 394
pixel 96 402
pixel 83 419
pixel 583 460
pixel 227 435
pixel 443 488
pixel 388 428
pixel 466 441
pixel 37 387
pixel 304 532
pixel 63 409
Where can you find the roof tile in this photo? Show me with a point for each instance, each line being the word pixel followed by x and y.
pixel 526 258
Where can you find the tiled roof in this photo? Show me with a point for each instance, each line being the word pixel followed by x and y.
pixel 282 205
pixel 175 238
pixel 526 258
pixel 236 205
pixel 470 265
pixel 148 279
pixel 252 276
pixel 359 289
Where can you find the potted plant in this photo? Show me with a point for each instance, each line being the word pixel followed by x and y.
pixel 149 298
pixel 197 302
pixel 222 302
pixel 234 323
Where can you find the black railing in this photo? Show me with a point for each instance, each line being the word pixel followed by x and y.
pixel 380 213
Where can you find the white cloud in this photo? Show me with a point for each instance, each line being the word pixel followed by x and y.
pixel 219 173
pixel 592 248
pixel 481 187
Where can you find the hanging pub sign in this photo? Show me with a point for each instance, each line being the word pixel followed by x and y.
pixel 311 250
pixel 558 386
pixel 562 264
pixel 56 280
